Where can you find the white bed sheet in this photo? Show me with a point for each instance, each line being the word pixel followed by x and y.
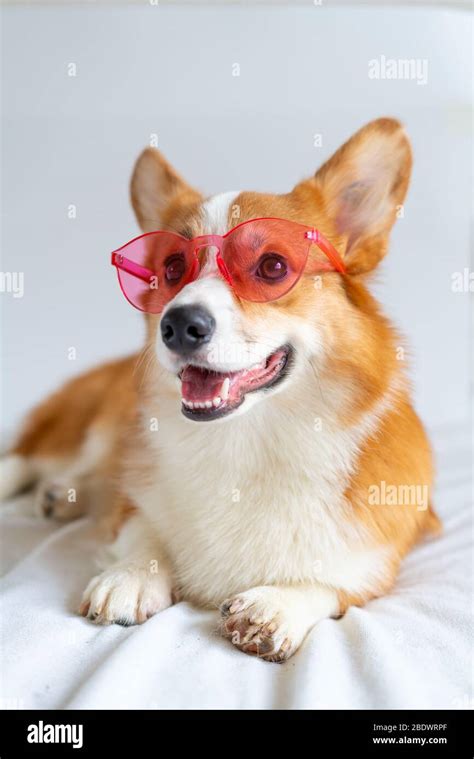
pixel 411 649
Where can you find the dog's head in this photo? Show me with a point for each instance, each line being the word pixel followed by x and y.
pixel 230 353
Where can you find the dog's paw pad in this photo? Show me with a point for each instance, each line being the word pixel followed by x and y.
pixel 255 624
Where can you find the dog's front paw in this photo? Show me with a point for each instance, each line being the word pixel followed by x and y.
pixel 258 623
pixel 126 594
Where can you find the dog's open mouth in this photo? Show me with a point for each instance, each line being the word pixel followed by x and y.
pixel 207 394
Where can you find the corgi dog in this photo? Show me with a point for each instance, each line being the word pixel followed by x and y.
pixel 234 462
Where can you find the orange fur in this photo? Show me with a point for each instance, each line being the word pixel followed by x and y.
pixel 57 427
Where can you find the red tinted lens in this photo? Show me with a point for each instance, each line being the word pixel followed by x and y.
pixel 153 268
pixel 265 258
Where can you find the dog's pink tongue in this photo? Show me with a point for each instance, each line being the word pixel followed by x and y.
pixel 201 385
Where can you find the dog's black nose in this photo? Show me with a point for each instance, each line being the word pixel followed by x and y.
pixel 185 328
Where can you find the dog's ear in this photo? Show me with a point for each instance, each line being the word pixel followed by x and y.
pixel 363 187
pixel 156 188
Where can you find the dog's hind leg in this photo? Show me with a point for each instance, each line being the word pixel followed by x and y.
pixel 76 487
pixel 67 440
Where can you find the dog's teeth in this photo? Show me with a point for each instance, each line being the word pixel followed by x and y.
pixel 205 404
pixel 225 389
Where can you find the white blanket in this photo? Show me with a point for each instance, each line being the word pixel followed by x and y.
pixel 410 649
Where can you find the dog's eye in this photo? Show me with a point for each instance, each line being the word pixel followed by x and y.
pixel 174 268
pixel 272 268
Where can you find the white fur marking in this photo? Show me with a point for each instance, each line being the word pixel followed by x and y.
pixel 134 588
pixel 215 213
pixel 16 472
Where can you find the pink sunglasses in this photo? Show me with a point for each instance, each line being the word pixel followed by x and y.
pixel 262 260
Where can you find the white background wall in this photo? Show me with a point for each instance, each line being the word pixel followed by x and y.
pixel 164 70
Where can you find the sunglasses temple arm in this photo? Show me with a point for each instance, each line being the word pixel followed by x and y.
pixel 130 267
pixel 328 249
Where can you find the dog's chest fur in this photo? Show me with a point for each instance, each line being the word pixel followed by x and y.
pixel 258 501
